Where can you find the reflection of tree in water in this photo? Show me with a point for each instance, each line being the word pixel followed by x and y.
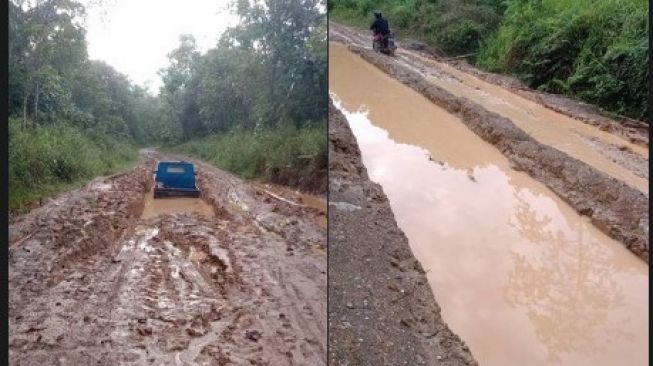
pixel 565 286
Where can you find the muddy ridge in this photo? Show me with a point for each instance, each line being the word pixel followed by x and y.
pixel 628 128
pixel 616 208
pixel 379 296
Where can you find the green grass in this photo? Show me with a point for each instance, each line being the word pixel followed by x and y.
pixel 596 51
pixel 453 27
pixel 47 160
pixel 288 155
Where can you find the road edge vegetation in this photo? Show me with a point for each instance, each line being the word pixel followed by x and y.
pixel 593 51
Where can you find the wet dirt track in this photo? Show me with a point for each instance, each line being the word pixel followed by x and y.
pixel 613 205
pixel 459 75
pixel 533 283
pixel 93 283
pixel 604 151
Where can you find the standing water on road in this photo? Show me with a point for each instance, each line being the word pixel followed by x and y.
pixel 170 205
pixel 519 275
pixel 545 125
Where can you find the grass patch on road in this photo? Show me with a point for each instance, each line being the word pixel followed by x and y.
pixel 47 160
pixel 288 155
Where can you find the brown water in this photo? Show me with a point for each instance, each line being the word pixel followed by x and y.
pixel 171 205
pixel 521 277
pixel 545 125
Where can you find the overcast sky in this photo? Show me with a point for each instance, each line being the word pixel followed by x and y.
pixel 134 36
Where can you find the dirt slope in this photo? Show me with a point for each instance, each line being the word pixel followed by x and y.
pixel 381 308
pixel 92 283
pixel 616 208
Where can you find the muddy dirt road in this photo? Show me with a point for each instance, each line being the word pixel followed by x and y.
pixel 617 206
pixel 520 276
pixel 607 152
pixel 97 277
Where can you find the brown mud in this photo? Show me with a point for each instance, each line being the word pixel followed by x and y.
pixel 632 130
pixel 544 125
pixel 307 201
pixel 381 308
pixel 91 282
pixel 613 206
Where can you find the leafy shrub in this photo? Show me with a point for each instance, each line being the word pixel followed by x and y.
pixel 453 27
pixel 594 50
pixel 285 154
pixel 44 160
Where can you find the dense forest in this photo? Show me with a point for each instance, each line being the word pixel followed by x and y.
pixel 72 118
pixel 593 50
pixel 259 96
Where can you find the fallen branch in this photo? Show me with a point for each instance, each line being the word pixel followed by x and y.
pixel 22 239
pixel 458 57
pixel 283 199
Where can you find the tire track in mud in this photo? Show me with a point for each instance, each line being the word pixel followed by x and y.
pixel 614 207
pixel 612 155
pixel 92 283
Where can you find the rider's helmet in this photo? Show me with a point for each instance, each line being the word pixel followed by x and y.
pixel 377 13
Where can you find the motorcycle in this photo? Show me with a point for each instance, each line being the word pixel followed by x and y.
pixel 385 45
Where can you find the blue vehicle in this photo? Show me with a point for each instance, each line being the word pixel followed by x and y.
pixel 175 178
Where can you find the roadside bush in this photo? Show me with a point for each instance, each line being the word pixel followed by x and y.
pixel 453 27
pixel 594 50
pixel 286 154
pixel 44 160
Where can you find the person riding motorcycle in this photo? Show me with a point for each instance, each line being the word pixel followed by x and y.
pixel 380 27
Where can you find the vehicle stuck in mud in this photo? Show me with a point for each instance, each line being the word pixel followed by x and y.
pixel 175 178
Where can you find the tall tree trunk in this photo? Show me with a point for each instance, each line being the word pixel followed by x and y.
pixel 24 111
pixel 36 104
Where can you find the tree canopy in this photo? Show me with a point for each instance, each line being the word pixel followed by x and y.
pixel 269 69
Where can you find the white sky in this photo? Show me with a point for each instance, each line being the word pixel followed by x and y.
pixel 134 36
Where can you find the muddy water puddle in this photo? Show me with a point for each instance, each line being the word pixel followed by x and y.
pixel 545 125
pixel 520 276
pixel 172 205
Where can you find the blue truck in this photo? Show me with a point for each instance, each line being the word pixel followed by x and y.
pixel 175 178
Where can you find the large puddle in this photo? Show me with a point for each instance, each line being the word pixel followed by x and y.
pixel 545 125
pixel 521 277
pixel 171 205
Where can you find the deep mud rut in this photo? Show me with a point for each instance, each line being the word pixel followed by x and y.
pixel 381 309
pixel 596 184
pixel 91 282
